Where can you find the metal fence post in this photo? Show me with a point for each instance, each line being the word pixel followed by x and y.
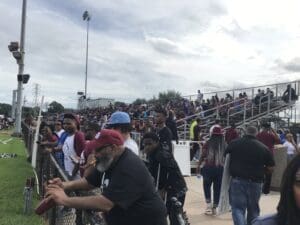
pixel 245 111
pixel 185 127
pixel 269 102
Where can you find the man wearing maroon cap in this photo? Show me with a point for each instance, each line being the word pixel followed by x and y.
pixel 128 193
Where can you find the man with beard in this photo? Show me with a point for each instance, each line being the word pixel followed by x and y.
pixel 128 193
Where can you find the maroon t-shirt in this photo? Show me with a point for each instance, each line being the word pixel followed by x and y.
pixel 268 139
pixel 230 135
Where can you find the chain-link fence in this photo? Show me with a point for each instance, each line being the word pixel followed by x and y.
pixel 47 168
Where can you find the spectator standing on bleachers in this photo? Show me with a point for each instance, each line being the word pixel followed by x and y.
pixel 171 124
pixel 289 203
pixel 231 133
pixel 211 166
pixel 270 92
pixel 289 94
pixel 197 139
pixel 258 96
pixel 163 132
pixel 269 138
pixel 120 121
pixel 249 158
pixel 199 96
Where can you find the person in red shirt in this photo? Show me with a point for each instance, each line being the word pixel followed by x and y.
pixel 231 133
pixel 268 137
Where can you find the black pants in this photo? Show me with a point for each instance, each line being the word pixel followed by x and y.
pixel 267 183
pixel 173 215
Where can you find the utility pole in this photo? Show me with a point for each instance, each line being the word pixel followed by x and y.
pixel 36 94
pixel 86 17
pixel 13 105
pixel 17 131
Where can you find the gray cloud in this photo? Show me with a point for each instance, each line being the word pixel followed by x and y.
pixel 235 30
pixel 137 48
pixel 292 66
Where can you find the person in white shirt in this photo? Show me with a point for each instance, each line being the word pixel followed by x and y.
pixel 199 96
pixel 121 122
pixel 58 128
pixel 291 146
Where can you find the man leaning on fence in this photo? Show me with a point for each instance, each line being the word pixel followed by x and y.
pixel 128 193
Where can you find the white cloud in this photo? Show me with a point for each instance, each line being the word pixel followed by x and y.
pixel 139 48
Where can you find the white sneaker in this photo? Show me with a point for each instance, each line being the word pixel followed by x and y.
pixel 208 210
pixel 214 211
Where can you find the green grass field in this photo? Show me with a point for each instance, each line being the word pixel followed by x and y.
pixel 13 174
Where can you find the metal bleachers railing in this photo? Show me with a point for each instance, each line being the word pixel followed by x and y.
pixel 242 110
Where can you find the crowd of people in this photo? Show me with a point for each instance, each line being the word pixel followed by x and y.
pixel 139 179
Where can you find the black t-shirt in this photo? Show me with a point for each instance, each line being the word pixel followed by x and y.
pixel 165 137
pixel 129 185
pixel 197 131
pixel 170 177
pixel 171 124
pixel 248 158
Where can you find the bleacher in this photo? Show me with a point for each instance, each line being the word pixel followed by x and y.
pixel 242 111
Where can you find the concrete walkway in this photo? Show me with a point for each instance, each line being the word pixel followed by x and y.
pixel 195 205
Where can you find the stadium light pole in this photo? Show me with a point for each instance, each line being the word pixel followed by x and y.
pixel 86 17
pixel 20 61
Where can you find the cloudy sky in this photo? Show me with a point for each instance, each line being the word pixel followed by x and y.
pixel 138 48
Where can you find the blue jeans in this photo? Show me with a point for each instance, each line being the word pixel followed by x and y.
pixel 212 176
pixel 244 195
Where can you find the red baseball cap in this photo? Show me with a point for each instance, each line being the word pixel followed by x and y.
pixel 217 131
pixel 106 137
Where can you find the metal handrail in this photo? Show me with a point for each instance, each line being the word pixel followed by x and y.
pixel 212 109
pixel 234 107
pixel 240 89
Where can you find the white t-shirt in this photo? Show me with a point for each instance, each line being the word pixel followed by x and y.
pixel 290 148
pixel 59 133
pixel 132 145
pixel 68 149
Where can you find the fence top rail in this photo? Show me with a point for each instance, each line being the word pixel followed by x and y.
pixel 241 89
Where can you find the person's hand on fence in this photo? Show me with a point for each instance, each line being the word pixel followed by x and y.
pixel 57 194
pixel 48 149
pixel 55 181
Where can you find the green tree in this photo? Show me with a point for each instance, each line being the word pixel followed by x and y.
pixel 5 109
pixel 55 107
pixel 164 97
pixel 140 101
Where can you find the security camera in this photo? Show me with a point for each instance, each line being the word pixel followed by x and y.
pixel 24 78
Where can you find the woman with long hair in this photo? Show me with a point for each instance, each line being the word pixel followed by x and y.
pixel 290 146
pixel 211 166
pixel 288 209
